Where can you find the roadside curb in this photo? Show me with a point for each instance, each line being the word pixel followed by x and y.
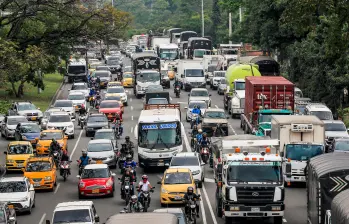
pixel 57 93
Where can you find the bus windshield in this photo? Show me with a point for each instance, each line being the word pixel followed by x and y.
pixel 159 135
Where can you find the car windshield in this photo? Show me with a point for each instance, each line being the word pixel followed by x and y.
pixel 17 120
pixel 112 62
pixel 93 119
pixel 19 149
pixel 202 93
pixel 38 166
pixel 254 172
pixel 266 118
pixel 127 69
pixel 125 76
pixel 30 128
pixel 185 161
pixel 240 86
pixel 79 87
pixel 160 136
pixel 72 216
pixel 302 152
pixel 51 135
pixel 76 97
pixel 101 74
pixel 223 81
pixel 63 104
pixel 342 145
pixel 155 101
pixel 13 187
pixel 94 66
pixel 117 98
pixel 99 147
pixel 115 90
pixel 194 73
pixel 335 127
pixel 26 106
pixel 59 118
pixel 76 69
pixel 178 178
pixel 95 173
pixel 105 135
pixel 201 53
pixel 202 105
pixel 109 104
pixel 148 77
pixel 215 114
pixel 322 115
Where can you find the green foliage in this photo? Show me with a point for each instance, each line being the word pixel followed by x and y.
pixel 4 106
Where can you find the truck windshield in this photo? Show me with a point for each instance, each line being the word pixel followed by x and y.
pixel 159 135
pixel 201 53
pixel 266 118
pixel 194 73
pixel 302 152
pixel 254 172
pixel 168 54
pixel 230 51
pixel 240 86
pixel 149 77
pixel 76 69
pixel 322 115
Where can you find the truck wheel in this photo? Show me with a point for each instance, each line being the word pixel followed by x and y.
pixel 229 220
pixel 278 220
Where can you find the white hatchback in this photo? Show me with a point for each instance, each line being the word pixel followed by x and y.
pixel 200 94
pixel 66 105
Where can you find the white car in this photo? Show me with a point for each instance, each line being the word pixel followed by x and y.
pixel 192 161
pixel 46 116
pixel 201 104
pixel 200 94
pixel 61 121
pixel 80 87
pixel 19 192
pixel 67 106
pixel 117 91
pixel 78 99
pixel 102 149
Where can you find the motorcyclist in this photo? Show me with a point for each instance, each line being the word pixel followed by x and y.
pixel 144 185
pixel 129 144
pixel 196 110
pixel 83 161
pixel 98 81
pixel 134 205
pixel 65 158
pixel 195 131
pixel 82 110
pixel 190 195
pixel 92 91
pixel 97 98
pixel 130 176
pixel 118 120
pixel 198 139
pixel 205 141
pixel 54 146
pixel 175 84
pixel 130 163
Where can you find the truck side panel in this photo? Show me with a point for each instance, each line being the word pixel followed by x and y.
pixel 340 208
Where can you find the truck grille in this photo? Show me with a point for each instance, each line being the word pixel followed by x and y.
pixel 296 172
pixel 32 114
pixel 20 161
pixel 195 83
pixel 37 179
pixel 242 103
pixel 255 194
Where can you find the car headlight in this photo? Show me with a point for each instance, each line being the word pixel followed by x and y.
pixel 24 137
pixel 109 183
pixel 163 190
pixel 196 172
pixel 24 199
pixel 10 161
pixel 71 126
pixel 48 178
pixel 82 184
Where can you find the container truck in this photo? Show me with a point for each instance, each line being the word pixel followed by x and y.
pixel 265 96
pixel 339 213
pixel 301 138
pixel 235 77
pixel 327 176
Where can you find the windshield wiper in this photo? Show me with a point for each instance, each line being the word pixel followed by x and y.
pixel 163 142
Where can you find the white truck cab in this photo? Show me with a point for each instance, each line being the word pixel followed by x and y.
pixel 236 105
pixel 79 212
pixel 191 73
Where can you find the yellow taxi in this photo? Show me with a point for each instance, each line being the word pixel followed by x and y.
pixel 17 155
pixel 127 79
pixel 41 172
pixel 174 185
pixel 114 83
pixel 45 139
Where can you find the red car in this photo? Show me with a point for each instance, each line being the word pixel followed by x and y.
pixel 110 108
pixel 96 180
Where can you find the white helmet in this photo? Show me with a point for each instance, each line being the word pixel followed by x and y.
pixel 200 130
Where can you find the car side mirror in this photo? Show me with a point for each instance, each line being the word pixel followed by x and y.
pixel 48 221
pixel 92 138
pixel 31 188
pixel 73 120
pixel 97 218
pixel 5 153
pixel 210 95
pixel 182 76
pixel 159 182
pixel 186 108
pixel 203 164
pixel 113 174
pixel 65 137
pixel 78 176
pixel 12 219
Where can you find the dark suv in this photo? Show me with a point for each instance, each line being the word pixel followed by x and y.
pixel 95 122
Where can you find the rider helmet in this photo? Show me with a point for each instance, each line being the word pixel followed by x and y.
pixel 84 152
pixel 200 130
pixel 54 140
pixel 190 190
pixel 129 158
pixel 145 178
pixel 127 138
pixel 134 198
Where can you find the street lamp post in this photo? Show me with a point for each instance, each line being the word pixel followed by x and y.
pixel 202 18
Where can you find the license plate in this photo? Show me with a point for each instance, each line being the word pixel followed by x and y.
pixel 95 191
pixel 76 107
pixel 36 184
pixel 178 198
pixel 161 164
pixel 19 165
pixel 33 141
pixel 110 116
pixel 255 209
pixel 99 162
pixel 10 206
pixel 33 118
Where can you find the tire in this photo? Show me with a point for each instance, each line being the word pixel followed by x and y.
pixel 186 118
pixel 73 136
pixel 80 196
pixel 163 205
pixel 126 103
pixel 33 203
pixel 30 209
pixel 228 220
pixel 219 211
pixel 64 176
pixel 278 220
pixel 127 199
pixel 86 133
pixel 111 194
pixel 200 184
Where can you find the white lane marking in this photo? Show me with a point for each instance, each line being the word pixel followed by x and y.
pixel 131 129
pixel 131 107
pixel 209 180
pixel 76 144
pixel 204 221
pixel 130 99
pixel 131 117
pixel 209 205
pixel 216 106
pixel 231 127
pixel 160 177
pixel 284 220
pixel 57 188
pixel 42 218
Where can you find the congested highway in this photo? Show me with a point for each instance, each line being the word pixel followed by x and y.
pixel 68 191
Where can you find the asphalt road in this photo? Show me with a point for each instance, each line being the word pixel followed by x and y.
pixel 68 191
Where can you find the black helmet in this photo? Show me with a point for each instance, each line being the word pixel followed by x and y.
pixel 128 158
pixel 190 190
pixel 127 138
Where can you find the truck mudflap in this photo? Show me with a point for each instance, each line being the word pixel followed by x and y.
pixel 240 210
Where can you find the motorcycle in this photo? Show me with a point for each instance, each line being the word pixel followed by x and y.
pixel 177 91
pixel 205 154
pixel 56 157
pixel 65 169
pixel 97 103
pixel 195 120
pixel 117 130
pixel 145 199
pixel 126 210
pixel 91 99
pixel 81 167
pixel 191 215
pixel 81 121
pixel 127 191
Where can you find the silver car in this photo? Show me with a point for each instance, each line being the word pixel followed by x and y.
pixel 200 94
pixel 201 104
pixel 9 124
pixel 46 116
pixel 102 150
pixel 222 86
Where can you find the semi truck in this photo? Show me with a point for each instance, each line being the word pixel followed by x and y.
pixel 235 77
pixel 251 183
pixel 301 138
pixel 339 213
pixel 265 96
pixel 327 176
